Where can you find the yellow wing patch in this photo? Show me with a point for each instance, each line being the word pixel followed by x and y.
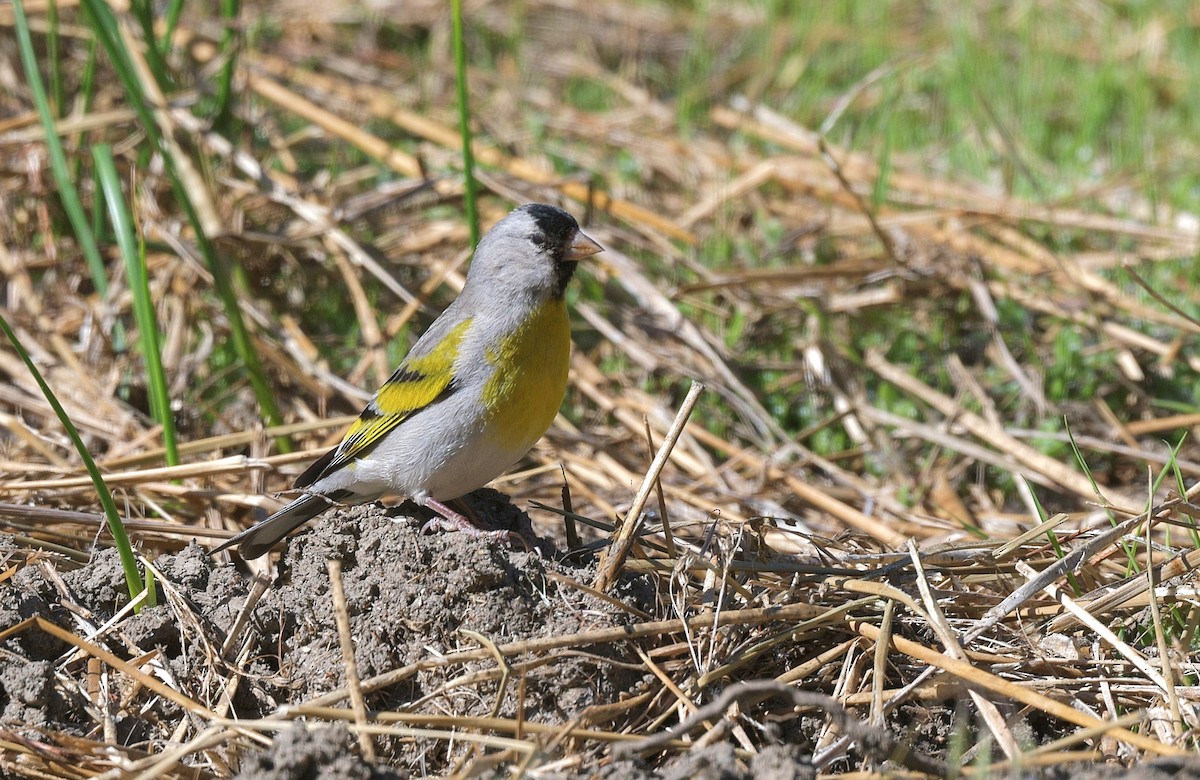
pixel 416 384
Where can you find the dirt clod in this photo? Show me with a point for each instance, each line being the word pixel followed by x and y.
pixel 303 753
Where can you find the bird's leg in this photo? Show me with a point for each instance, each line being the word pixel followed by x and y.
pixel 447 519
pixel 467 510
pixel 524 528
pixel 453 521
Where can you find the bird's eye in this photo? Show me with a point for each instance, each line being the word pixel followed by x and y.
pixel 538 239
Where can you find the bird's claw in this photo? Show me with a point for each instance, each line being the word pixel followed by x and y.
pixel 439 523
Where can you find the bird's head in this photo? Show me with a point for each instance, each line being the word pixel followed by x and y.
pixel 533 251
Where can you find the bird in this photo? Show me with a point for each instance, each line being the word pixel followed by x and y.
pixel 473 395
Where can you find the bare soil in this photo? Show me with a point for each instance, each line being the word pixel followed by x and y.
pixel 412 598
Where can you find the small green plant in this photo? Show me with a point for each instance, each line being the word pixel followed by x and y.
pixel 133 578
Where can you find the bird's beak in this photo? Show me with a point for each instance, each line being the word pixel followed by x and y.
pixel 581 247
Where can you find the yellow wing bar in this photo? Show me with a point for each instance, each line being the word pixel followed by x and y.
pixel 415 385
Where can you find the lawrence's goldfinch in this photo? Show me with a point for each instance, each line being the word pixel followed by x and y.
pixel 474 394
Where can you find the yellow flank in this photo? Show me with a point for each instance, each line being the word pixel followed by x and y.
pixel 524 394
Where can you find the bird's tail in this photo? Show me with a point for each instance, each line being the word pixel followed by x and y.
pixel 258 539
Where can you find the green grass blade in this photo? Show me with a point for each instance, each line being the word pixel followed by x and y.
pixel 87 81
pixel 58 158
pixel 86 91
pixel 883 181
pixel 53 61
pixel 105 28
pixel 1051 537
pixel 1172 466
pixel 174 11
pixel 133 579
pixel 1130 550
pixel 133 252
pixel 464 118
pixel 230 9
pixel 143 11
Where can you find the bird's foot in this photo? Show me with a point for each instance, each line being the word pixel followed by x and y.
pixel 447 519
